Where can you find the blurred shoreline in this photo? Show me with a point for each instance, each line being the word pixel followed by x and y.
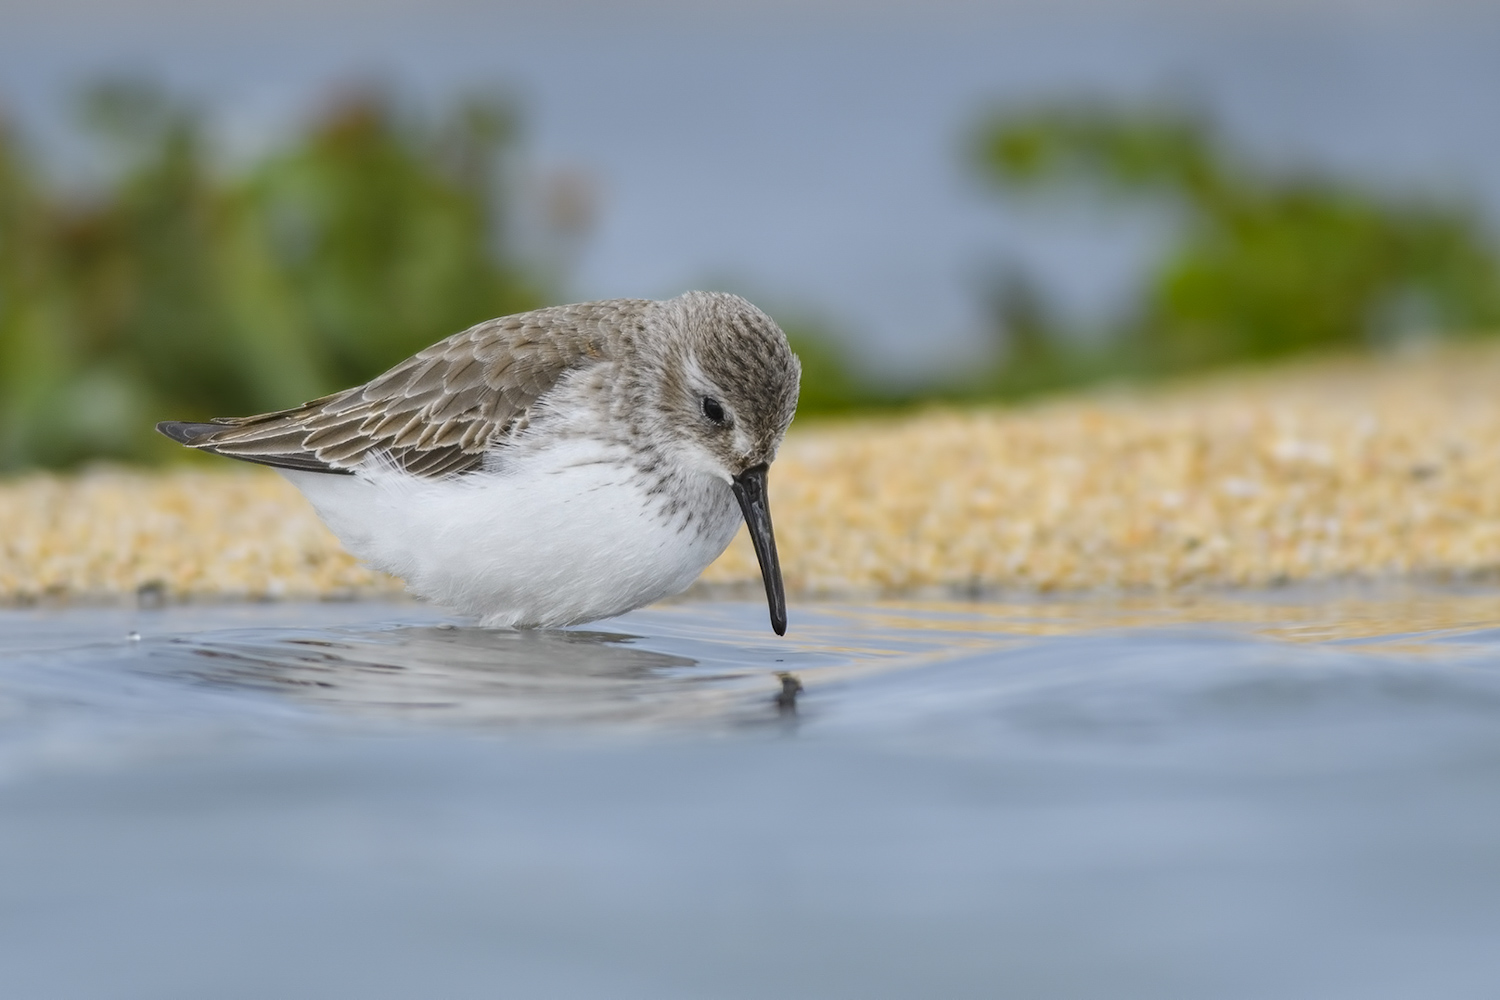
pixel 1333 469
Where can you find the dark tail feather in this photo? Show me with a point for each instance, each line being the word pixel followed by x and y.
pixel 197 435
pixel 185 431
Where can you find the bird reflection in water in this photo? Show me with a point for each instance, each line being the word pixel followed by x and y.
pixel 468 676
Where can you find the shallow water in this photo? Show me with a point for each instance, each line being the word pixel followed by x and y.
pixel 1274 795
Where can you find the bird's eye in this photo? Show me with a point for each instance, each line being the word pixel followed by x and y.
pixel 713 410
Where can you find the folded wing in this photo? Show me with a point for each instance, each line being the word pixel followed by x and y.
pixel 438 412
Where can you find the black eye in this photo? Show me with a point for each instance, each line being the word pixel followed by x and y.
pixel 713 411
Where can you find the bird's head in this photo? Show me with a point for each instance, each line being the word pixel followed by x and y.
pixel 726 390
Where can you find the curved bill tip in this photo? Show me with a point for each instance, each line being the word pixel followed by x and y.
pixel 750 491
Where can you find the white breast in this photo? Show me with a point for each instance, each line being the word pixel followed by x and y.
pixel 560 537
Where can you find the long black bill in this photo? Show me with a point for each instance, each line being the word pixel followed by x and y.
pixel 750 491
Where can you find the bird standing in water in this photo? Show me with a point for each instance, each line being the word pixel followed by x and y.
pixel 548 468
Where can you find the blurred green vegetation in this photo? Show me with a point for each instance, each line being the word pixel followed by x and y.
pixel 1264 264
pixel 180 289
pixel 176 286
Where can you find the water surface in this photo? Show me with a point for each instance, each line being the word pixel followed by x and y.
pixel 1273 795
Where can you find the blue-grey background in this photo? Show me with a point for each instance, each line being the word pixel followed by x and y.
pixel 810 154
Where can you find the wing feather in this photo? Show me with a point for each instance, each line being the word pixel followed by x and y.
pixel 438 412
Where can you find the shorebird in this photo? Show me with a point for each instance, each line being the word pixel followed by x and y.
pixel 549 468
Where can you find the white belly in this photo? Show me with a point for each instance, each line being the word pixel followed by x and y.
pixel 561 539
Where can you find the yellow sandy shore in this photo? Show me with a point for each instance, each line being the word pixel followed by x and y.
pixel 1337 469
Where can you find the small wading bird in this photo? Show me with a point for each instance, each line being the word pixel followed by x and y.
pixel 548 468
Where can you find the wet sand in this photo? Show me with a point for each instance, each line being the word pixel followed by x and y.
pixel 1373 468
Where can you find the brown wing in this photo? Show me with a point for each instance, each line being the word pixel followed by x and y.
pixel 437 412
